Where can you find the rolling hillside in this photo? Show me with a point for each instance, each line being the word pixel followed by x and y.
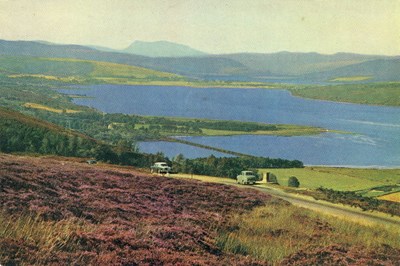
pixel 66 69
pixel 108 215
pixel 295 64
pixel 22 133
pixel 242 66
pixel 59 211
pixel 196 67
pixel 383 69
pixel 379 93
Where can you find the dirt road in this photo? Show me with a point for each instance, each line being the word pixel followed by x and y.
pixel 337 210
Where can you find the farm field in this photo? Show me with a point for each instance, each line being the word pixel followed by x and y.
pixel 342 179
pixel 351 79
pixel 391 197
pixel 78 71
pixel 50 109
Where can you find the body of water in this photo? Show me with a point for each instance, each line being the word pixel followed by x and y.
pixel 376 141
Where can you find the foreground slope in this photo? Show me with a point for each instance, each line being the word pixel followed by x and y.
pixel 129 217
pixel 60 211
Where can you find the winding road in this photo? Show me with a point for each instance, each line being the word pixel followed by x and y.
pixel 341 211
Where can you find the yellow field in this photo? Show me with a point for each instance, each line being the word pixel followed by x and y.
pixel 48 77
pixel 284 130
pixel 391 197
pixel 354 78
pixel 50 109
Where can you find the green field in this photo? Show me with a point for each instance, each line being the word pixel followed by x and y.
pixel 352 78
pixel 208 127
pixel 341 179
pixel 78 71
pixel 385 93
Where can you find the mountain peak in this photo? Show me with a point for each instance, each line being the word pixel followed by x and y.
pixel 162 49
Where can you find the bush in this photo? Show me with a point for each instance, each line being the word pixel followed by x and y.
pixel 271 178
pixel 293 182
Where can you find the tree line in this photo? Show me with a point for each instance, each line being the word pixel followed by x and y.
pixel 228 166
pixel 22 136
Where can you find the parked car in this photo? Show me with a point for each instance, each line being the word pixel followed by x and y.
pixel 247 178
pixel 161 168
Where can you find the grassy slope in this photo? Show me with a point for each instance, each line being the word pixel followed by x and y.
pixel 30 121
pixel 343 179
pixel 74 70
pixel 305 238
pixel 112 215
pixel 49 109
pixel 86 71
pixel 387 93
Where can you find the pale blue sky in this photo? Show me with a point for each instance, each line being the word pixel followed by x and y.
pixel 215 26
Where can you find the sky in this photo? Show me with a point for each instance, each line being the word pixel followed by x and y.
pixel 213 26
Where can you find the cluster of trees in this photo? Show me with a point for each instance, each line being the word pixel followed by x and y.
pixel 228 166
pixel 16 136
pixel 356 200
pixel 21 133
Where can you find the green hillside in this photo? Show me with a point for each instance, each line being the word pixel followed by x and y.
pixel 79 71
pixel 22 133
pixel 384 93
pixel 243 66
pixel 295 64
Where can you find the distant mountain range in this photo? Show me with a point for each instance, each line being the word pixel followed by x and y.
pixel 156 49
pixel 162 49
pixel 183 60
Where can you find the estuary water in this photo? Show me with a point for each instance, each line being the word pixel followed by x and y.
pixel 376 141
